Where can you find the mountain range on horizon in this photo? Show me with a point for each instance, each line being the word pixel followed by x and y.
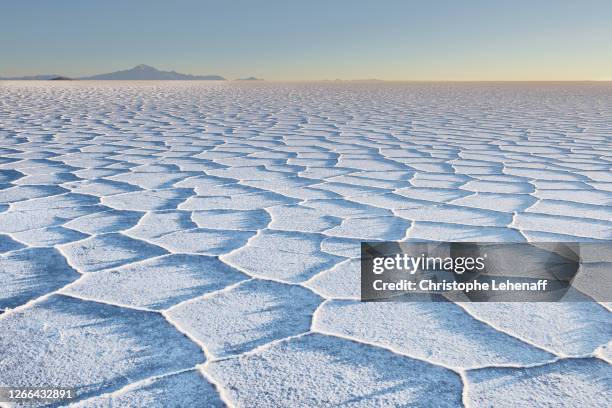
pixel 140 72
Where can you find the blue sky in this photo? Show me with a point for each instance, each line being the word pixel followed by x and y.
pixel 306 40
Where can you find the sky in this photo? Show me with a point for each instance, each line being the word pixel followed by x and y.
pixel 469 40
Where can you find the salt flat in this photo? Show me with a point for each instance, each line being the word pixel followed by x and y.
pixel 197 244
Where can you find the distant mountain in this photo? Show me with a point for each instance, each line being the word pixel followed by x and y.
pixel 139 72
pixel 249 79
pixel 146 72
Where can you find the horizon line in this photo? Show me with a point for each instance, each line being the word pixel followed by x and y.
pixel 84 79
pixel 251 76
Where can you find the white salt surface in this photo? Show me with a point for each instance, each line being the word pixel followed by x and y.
pixel 197 244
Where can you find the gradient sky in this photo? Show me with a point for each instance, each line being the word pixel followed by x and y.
pixel 305 40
